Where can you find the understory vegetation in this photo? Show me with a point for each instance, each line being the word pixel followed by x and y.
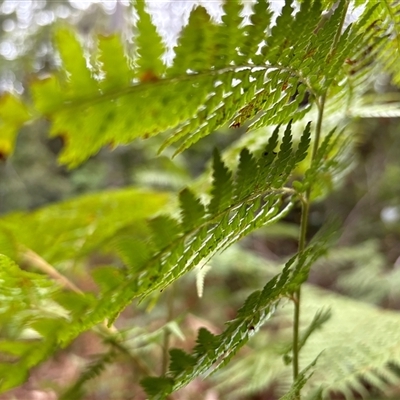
pixel 223 223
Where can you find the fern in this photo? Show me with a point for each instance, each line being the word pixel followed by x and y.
pixel 213 351
pixel 205 87
pixel 348 359
pixel 204 233
pixel 356 344
pixel 241 72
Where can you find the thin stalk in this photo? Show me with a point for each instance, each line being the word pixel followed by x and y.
pixel 302 244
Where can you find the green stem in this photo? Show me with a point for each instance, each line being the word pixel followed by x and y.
pixel 305 217
pixel 302 244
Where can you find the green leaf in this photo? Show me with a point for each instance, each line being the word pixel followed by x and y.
pixel 179 360
pixel 165 230
pixel 193 54
pixel 229 35
pixel 94 369
pixel 114 63
pixel 201 237
pixel 222 188
pixel 157 387
pixel 74 228
pixel 302 149
pixel 247 173
pixel 255 32
pixel 27 299
pixel 80 80
pixel 205 342
pixel 321 317
pixel 213 351
pixel 301 380
pixel 109 278
pixel 192 210
pixel 150 46
pixel 13 115
pixel 133 252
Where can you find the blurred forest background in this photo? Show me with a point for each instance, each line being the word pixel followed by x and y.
pixel 366 202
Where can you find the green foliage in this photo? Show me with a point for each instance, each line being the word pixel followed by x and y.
pixel 303 377
pixel 206 230
pixel 384 22
pixel 150 47
pixel 13 114
pixel 349 359
pixel 214 351
pixel 73 229
pixel 354 343
pixel 209 84
pixel 240 72
pixel 27 301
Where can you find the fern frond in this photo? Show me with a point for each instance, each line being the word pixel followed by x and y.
pixel 331 159
pixel 213 351
pixel 246 180
pixel 229 35
pixel 165 230
pixel 157 388
pixel 320 318
pixel 80 79
pixel 193 211
pixel 193 54
pixel 354 352
pixel 350 354
pixel 255 33
pixel 204 234
pixel 267 80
